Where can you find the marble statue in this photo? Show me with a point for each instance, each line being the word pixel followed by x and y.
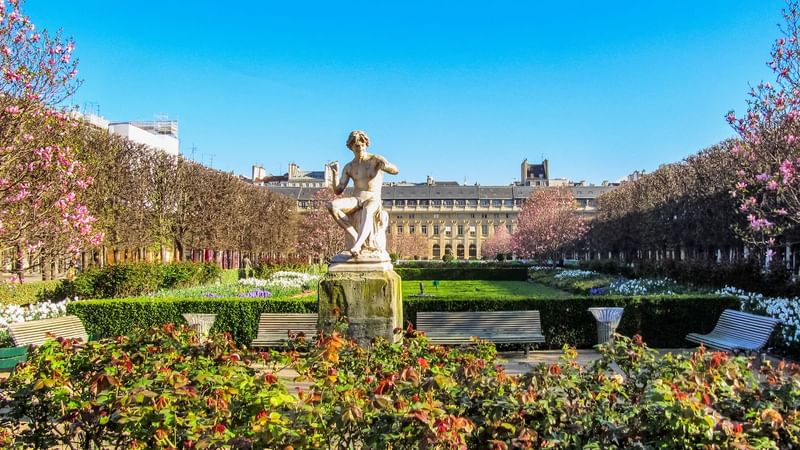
pixel 361 214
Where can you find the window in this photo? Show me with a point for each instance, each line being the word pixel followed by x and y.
pixel 399 203
pixel 424 229
pixel 399 216
pixel 303 203
pixel 485 203
pixel 412 229
pixel 509 203
pixel 510 228
pixel 411 216
pixel 436 230
pixel 412 203
pixel 497 203
pixel 448 203
pixel 472 203
pixel 447 230
pixel 485 230
pixel 436 202
pixel 472 230
pixel 461 203
pixel 437 251
pixel 423 203
pixel 448 249
pixel 473 251
pixel 460 230
pixel 460 251
pixel 484 216
pixel 387 203
pixel 399 229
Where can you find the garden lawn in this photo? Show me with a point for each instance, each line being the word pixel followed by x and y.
pixel 483 290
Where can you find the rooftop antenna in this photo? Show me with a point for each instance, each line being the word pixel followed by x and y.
pixel 194 150
pixel 211 164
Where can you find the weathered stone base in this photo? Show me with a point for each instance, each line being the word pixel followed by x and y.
pixel 372 301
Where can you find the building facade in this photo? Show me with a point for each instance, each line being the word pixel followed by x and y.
pixel 454 218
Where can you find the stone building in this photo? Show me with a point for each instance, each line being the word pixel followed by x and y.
pixel 457 219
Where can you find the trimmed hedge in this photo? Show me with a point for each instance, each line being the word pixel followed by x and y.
pixel 238 316
pixel 662 321
pixel 129 279
pixel 519 273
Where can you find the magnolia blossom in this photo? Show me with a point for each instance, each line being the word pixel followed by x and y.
pixel 547 223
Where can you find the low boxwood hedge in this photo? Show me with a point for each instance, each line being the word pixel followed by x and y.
pixel 238 316
pixel 663 321
pixel 449 272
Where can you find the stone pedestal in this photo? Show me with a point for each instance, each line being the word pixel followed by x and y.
pixel 371 300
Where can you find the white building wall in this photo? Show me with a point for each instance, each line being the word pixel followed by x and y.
pixel 167 143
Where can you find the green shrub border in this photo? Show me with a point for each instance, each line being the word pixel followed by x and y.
pixel 518 273
pixel 238 316
pixel 663 321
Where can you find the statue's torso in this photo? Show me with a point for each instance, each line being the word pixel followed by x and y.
pixel 367 177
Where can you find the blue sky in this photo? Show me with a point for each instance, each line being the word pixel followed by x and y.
pixel 456 90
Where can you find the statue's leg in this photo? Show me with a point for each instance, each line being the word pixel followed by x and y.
pixel 370 208
pixel 339 209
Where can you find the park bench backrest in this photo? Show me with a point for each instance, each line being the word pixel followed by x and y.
pixel 274 328
pixel 745 327
pixel 35 332
pixel 483 324
pixel 10 357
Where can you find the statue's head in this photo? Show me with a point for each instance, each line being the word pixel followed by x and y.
pixel 359 138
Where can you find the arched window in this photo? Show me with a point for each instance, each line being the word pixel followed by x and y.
pixel 437 253
pixel 473 251
pixel 448 249
pixel 460 251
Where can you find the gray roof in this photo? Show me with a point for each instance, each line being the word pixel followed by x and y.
pixel 447 192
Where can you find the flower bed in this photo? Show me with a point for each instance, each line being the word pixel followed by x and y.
pixel 167 389
pixel 14 314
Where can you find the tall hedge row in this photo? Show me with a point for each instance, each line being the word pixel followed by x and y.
pixel 662 321
pixel 519 273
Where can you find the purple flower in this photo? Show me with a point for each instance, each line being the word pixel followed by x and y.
pixel 211 294
pixel 257 293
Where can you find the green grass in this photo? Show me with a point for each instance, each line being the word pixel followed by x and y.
pixel 484 290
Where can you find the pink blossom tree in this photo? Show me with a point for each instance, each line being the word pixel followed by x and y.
pixel 319 237
pixel 548 222
pixel 407 245
pixel 41 182
pixel 768 156
pixel 498 243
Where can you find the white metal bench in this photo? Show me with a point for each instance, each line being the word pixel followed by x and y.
pixel 274 328
pixel 500 327
pixel 738 331
pixel 35 332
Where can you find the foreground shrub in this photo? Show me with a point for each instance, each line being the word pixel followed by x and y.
pixel 165 389
pixel 129 279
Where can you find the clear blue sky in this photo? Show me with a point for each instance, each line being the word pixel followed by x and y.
pixel 452 89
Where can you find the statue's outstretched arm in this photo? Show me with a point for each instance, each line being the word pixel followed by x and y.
pixel 388 167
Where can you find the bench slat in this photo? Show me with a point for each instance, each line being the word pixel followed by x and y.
pixel 35 332
pixel 274 328
pixel 502 327
pixel 737 330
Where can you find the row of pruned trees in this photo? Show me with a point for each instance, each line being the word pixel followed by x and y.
pixel 144 198
pixel 681 211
